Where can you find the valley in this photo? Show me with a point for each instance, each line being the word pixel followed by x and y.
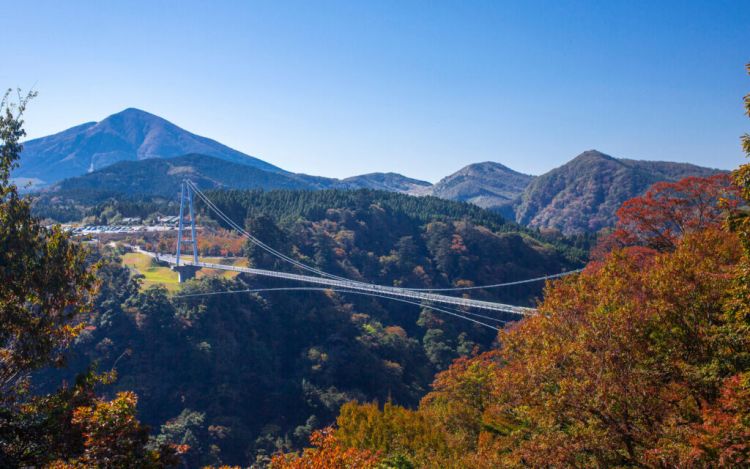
pixel 375 235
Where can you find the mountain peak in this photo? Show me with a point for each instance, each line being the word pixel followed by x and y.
pixel 487 166
pixel 488 184
pixel 131 134
pixel 385 181
pixel 133 113
pixel 593 155
pixel 134 110
pixel 137 118
pixel 584 194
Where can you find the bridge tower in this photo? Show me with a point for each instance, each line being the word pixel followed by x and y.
pixel 187 215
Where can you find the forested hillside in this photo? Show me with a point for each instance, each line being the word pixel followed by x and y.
pixel 639 361
pixel 241 376
pixel 584 194
pixel 162 177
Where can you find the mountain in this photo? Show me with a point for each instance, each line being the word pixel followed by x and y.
pixel 580 196
pixel 488 184
pixel 584 194
pixel 126 136
pixel 391 182
pixel 162 177
pixel 128 153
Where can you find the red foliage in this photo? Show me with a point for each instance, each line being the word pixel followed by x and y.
pixel 669 210
pixel 725 432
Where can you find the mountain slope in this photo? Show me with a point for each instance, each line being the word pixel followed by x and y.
pixel 488 184
pixel 128 135
pixel 391 182
pixel 162 177
pixel 584 194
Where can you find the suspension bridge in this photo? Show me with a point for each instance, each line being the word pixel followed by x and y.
pixel 186 267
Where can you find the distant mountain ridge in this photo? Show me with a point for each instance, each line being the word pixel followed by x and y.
pixel 582 195
pixel 162 177
pixel 129 135
pixel 392 182
pixel 135 152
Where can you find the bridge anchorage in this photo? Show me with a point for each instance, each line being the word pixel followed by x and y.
pixel 187 266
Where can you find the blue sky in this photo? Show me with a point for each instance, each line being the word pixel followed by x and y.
pixel 417 87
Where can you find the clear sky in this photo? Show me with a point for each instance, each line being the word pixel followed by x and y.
pixel 417 87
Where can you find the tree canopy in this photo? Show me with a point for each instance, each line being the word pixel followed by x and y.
pixel 47 285
pixel 641 360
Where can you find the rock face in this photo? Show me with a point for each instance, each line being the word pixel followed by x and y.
pixel 126 136
pixel 488 184
pixel 584 194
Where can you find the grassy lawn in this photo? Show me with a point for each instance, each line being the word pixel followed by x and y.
pixel 141 263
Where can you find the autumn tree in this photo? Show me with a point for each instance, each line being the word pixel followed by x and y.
pixel 113 437
pixel 724 433
pixel 669 210
pixel 326 453
pixel 46 288
pixel 44 280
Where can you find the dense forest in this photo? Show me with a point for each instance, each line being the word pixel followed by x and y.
pixel 239 377
pixel 288 206
pixel 641 360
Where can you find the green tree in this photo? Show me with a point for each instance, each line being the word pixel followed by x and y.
pixel 44 280
pixel 46 288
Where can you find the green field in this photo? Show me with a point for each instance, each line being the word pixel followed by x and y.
pixel 153 275
pixel 164 276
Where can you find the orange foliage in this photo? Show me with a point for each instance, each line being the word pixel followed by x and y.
pixel 113 437
pixel 642 360
pixel 616 354
pixel 326 454
pixel 614 372
pixel 725 431
pixel 393 430
pixel 670 210
pixel 221 243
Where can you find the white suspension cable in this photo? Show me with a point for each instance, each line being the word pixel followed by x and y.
pixel 441 310
pixel 256 290
pixel 322 273
pixel 506 284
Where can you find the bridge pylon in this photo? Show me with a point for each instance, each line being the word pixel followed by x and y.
pixel 187 215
